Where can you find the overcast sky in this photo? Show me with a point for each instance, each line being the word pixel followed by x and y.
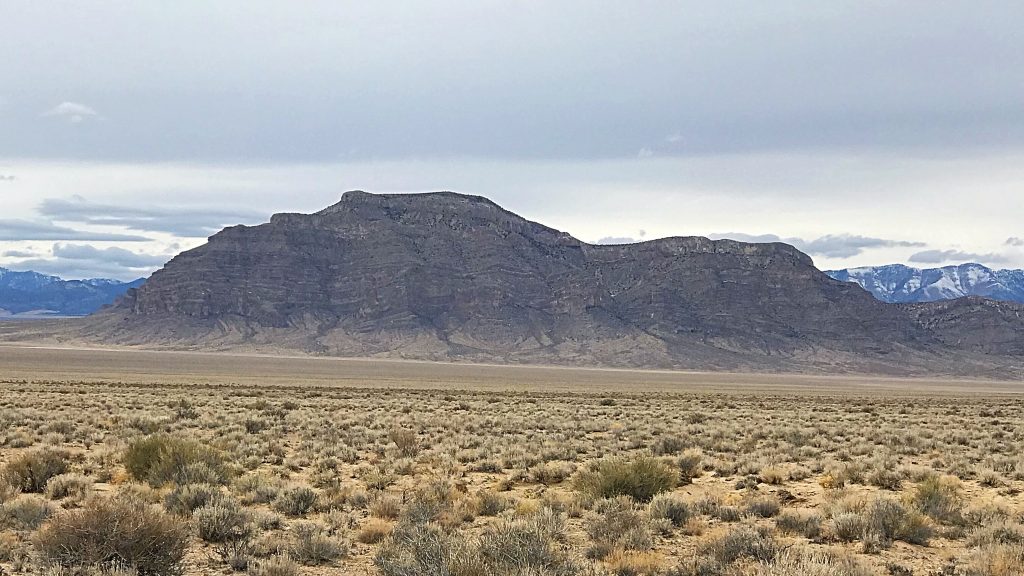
pixel 864 132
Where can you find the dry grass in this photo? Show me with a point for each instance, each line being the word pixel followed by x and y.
pixel 328 479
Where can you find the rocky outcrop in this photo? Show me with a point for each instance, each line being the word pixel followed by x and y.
pixel 449 276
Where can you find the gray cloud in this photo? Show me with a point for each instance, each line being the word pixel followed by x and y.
pixel 617 240
pixel 1015 241
pixel 183 222
pixel 830 246
pixel 8 177
pixel 118 256
pixel 958 256
pixel 19 254
pixel 72 111
pixel 76 261
pixel 567 79
pixel 77 269
pixel 17 230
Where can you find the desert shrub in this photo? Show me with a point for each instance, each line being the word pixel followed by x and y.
pixel 27 511
pixel 277 565
pixel 807 525
pixel 295 501
pixel 425 550
pixel 742 542
pixel 30 471
pixel 848 526
pixel 668 445
pixel 257 488
pixel 222 521
pixel 185 499
pixel 162 459
pixel 632 563
pixel 994 560
pixel 64 486
pixel 490 503
pixel 386 506
pixel 640 478
pixel 312 545
pixel 1002 532
pixel 886 520
pixel 691 465
pixel 406 440
pixel 550 473
pixel 799 562
pixel 672 508
pixel 374 531
pixel 112 532
pixel 886 479
pixel 763 507
pixel 429 503
pixel 618 523
pixel 526 546
pixel 939 499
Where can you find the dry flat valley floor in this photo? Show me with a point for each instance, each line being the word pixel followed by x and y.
pixel 283 465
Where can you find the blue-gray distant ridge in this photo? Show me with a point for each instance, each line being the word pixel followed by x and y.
pixel 901 284
pixel 31 294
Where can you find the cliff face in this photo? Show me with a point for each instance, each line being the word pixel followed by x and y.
pixel 444 275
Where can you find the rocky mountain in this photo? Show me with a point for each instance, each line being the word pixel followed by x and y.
pixel 33 294
pixel 899 283
pixel 455 277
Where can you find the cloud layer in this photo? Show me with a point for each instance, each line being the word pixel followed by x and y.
pixel 830 246
pixel 180 222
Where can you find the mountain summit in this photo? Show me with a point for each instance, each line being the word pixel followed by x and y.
pixel 449 276
pixel 899 283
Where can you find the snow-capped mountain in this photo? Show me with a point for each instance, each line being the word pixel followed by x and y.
pixel 34 294
pixel 899 283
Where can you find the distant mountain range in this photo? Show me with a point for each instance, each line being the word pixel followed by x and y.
pixel 444 276
pixel 898 283
pixel 31 294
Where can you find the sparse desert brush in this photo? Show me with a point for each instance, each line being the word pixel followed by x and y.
pixel 295 501
pixel 743 541
pixel 618 524
pixel 641 478
pixel 222 521
pixel 312 544
pixel 26 512
pixel 633 563
pixel 277 565
pixel 112 532
pixel 162 459
pixel 374 530
pixel 803 523
pixel 30 471
pixel 691 465
pixel 75 486
pixel 809 562
pixel 939 498
pixel 671 508
pixel 886 520
pixel 184 499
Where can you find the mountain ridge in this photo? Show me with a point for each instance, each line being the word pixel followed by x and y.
pixel 34 294
pixel 898 283
pixel 442 276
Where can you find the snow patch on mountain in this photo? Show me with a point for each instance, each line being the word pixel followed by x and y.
pixel 899 283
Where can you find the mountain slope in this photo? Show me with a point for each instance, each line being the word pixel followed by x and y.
pixel 32 292
pixel 447 276
pixel 899 283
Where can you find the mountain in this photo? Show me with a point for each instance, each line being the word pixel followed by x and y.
pixel 33 294
pixel 446 276
pixel 899 283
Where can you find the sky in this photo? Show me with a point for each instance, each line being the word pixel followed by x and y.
pixel 863 132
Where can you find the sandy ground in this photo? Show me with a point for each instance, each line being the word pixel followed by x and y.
pixel 38 363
